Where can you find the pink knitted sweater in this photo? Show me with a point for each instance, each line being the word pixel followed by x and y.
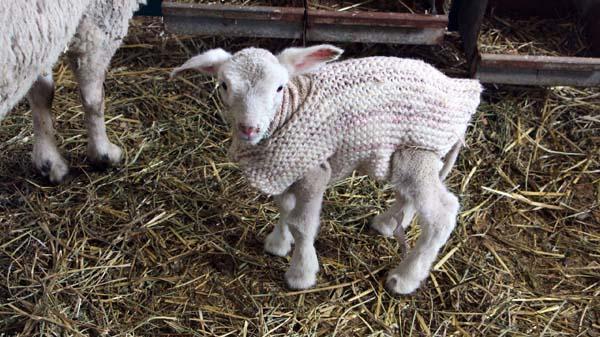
pixel 355 114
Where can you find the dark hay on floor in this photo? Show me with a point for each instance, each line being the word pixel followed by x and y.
pixel 171 242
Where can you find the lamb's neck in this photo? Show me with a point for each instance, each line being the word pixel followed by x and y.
pixel 294 95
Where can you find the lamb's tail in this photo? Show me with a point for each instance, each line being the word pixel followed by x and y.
pixel 450 159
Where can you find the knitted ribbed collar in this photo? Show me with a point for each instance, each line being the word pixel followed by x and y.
pixel 294 96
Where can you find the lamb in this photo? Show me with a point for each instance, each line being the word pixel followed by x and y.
pixel 300 123
pixel 36 33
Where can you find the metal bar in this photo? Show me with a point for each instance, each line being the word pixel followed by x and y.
pixel 287 22
pixel 232 28
pixel 377 19
pixel 232 12
pixel 538 70
pixel 294 14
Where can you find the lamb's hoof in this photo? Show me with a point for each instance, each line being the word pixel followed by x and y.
pixel 51 166
pixel 107 156
pixel 298 280
pixel 277 246
pixel 398 283
pixel 384 224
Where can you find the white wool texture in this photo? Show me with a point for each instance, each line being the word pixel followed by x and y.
pixel 35 33
pixel 356 114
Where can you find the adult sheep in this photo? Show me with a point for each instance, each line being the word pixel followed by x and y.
pixel 35 33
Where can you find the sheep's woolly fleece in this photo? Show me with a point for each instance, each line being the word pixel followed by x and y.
pixel 356 114
pixel 37 32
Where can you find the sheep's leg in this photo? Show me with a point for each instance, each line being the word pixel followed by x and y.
pixel 91 76
pixel 437 209
pixel 89 62
pixel 279 241
pixel 46 156
pixel 303 222
pixel 400 213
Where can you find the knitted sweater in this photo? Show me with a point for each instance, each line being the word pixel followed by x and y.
pixel 356 114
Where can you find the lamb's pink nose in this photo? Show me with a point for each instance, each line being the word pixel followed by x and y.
pixel 248 130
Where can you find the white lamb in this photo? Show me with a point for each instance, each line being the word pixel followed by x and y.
pixel 300 124
pixel 35 33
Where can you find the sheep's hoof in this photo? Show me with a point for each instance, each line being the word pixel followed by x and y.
pixel 398 283
pixel 384 224
pixel 296 279
pixel 276 245
pixel 106 156
pixel 52 166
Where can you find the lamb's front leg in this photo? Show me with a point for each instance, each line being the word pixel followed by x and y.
pixel 303 223
pixel 279 241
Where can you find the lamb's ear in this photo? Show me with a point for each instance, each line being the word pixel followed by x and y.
pixel 207 62
pixel 304 60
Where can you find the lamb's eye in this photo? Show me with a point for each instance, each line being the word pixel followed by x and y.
pixel 280 88
pixel 223 85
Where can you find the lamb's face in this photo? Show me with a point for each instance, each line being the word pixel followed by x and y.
pixel 252 82
pixel 251 86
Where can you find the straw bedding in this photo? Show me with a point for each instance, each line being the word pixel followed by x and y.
pixel 170 244
pixel 539 36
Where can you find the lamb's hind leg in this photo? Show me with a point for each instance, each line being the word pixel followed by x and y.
pixel 400 213
pixel 46 156
pixel 90 58
pixel 279 241
pixel 417 177
pixel 303 222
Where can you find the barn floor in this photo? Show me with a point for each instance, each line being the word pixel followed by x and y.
pixel 170 243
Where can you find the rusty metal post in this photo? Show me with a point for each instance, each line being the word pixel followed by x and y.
pixel 466 17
